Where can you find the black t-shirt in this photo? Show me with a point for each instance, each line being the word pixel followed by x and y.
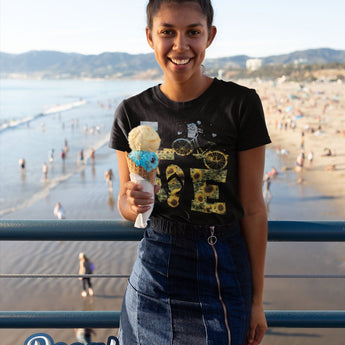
pixel 200 140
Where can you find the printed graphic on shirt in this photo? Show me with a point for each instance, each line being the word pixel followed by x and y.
pixel 153 124
pixel 205 165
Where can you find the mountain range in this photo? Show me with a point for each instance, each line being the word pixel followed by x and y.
pixel 54 64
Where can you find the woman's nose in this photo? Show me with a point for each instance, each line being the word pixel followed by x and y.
pixel 181 42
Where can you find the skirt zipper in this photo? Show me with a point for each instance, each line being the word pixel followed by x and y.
pixel 212 240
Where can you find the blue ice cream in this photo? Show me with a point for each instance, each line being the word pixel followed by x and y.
pixel 146 159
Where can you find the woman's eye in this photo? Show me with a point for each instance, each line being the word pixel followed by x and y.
pixel 166 32
pixel 194 32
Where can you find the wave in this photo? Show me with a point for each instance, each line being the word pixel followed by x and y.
pixel 55 182
pixel 39 195
pixel 50 111
pixel 64 107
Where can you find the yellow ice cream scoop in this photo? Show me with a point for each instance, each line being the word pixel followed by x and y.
pixel 144 138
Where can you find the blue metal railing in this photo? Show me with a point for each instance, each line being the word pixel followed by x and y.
pixel 110 319
pixel 117 230
pixel 94 230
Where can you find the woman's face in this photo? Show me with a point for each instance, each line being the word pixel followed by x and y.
pixel 179 37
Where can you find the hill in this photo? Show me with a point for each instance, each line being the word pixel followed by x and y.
pixel 53 64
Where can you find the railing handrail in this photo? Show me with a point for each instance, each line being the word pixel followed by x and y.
pixel 118 230
pixel 109 276
pixel 110 319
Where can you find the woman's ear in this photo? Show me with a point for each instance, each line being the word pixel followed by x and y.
pixel 149 37
pixel 211 35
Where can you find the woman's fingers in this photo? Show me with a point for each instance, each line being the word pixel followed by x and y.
pixel 138 200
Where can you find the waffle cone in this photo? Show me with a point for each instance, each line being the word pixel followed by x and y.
pixel 147 175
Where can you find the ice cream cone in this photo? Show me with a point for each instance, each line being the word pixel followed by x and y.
pixel 147 175
pixel 142 163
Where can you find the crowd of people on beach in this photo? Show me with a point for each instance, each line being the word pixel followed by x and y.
pixel 301 116
pixel 63 156
pixel 81 159
pixel 305 109
pixel 65 150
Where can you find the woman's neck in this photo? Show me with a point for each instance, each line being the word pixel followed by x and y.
pixel 187 91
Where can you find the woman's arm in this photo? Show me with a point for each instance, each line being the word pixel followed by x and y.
pixel 131 199
pixel 254 228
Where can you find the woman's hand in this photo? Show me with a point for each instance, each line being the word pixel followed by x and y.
pixel 131 200
pixel 139 201
pixel 258 325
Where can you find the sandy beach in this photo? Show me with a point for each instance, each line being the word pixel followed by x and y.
pixel 309 118
pixel 85 196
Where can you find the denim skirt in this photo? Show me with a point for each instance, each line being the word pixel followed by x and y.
pixel 190 285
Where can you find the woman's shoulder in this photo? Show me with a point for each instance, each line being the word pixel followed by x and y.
pixel 134 103
pixel 144 96
pixel 230 86
pixel 235 93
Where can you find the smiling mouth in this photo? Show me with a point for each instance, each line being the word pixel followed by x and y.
pixel 180 62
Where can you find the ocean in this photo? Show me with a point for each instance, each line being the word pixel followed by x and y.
pixel 38 117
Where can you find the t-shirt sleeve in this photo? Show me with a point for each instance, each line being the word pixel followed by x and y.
pixel 253 131
pixel 120 129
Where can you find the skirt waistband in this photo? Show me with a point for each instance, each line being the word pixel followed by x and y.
pixel 193 231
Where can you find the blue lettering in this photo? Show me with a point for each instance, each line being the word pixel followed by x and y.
pixel 39 339
pixel 113 341
pixel 45 339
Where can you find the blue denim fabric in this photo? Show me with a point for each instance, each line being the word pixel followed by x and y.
pixel 172 297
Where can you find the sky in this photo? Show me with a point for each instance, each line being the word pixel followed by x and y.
pixel 249 27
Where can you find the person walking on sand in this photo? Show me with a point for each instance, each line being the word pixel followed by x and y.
pixel 85 268
pixel 66 149
pixel 199 273
pixel 92 155
pixel 63 156
pixel 109 179
pixel 59 211
pixel 299 162
pixel 51 156
pixel 310 157
pixel 45 170
pixel 81 156
pixel 83 335
pixel 22 163
pixel 267 185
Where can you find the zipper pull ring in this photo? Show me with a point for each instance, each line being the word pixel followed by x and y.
pixel 212 239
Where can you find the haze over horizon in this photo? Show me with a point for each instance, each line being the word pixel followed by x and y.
pixel 207 57
pixel 89 27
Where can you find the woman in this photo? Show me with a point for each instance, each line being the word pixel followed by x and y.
pixel 198 278
pixel 85 268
